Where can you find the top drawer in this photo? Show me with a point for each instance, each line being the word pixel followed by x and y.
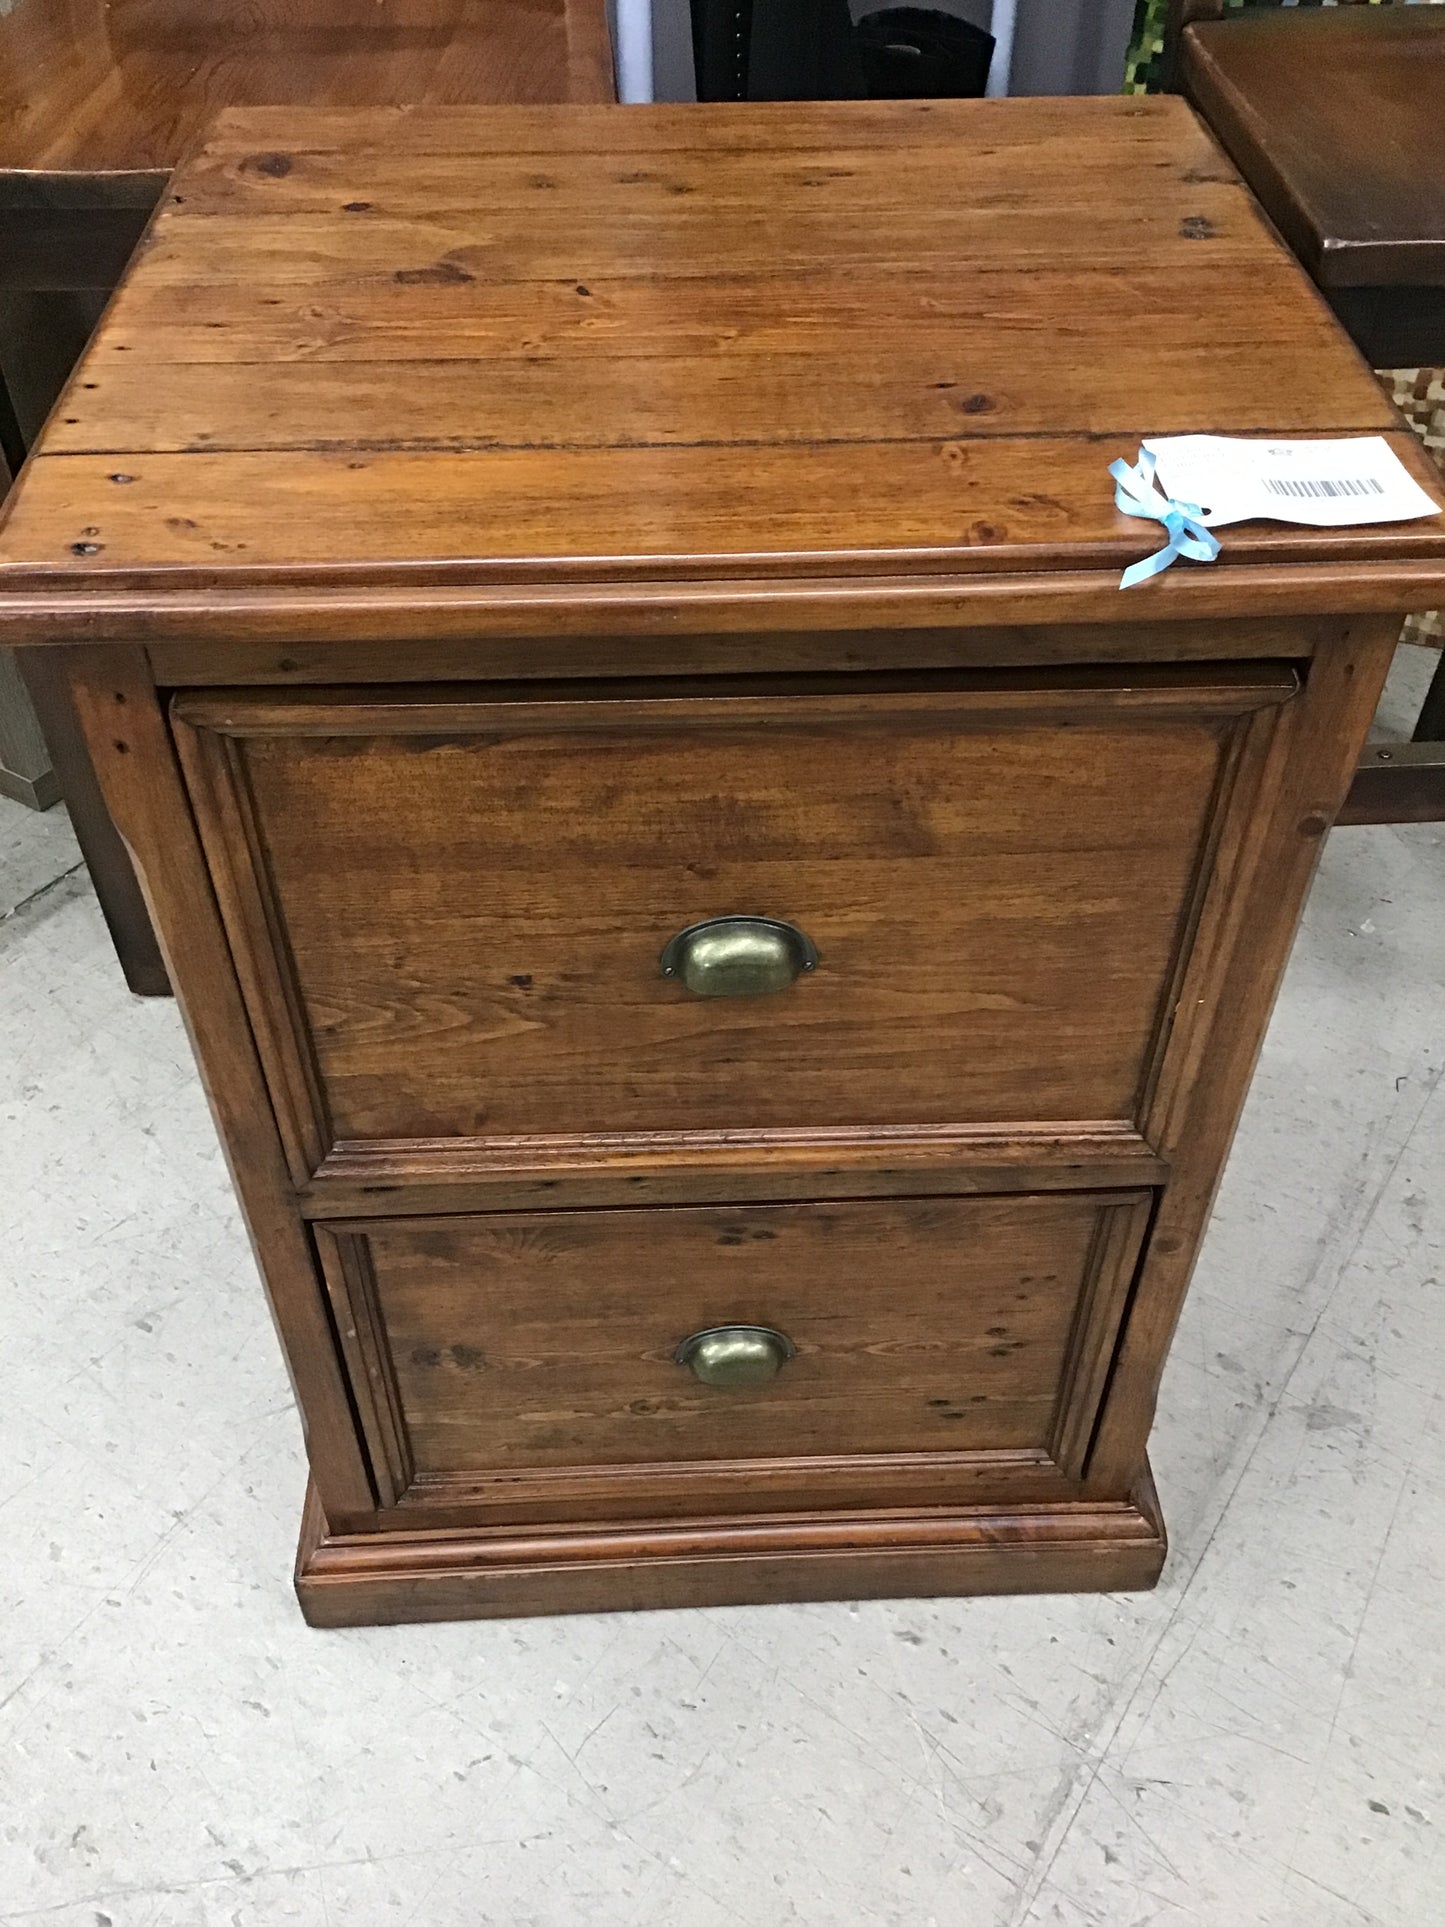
pixel 448 913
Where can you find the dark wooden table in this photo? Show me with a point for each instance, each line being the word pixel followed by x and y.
pixel 100 98
pixel 611 661
pixel 1337 121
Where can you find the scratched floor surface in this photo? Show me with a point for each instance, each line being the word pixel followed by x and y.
pixel 1260 1741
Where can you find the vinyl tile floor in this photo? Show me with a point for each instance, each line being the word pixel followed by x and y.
pixel 1261 1741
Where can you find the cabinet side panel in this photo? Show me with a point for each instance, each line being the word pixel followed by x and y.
pixel 1307 774
pixel 116 706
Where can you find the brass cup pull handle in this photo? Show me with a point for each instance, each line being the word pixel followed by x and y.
pixel 738 956
pixel 735 1355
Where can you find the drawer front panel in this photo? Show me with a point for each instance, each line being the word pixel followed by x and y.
pixel 491 1351
pixel 449 915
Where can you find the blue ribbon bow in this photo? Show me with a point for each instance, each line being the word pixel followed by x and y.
pixel 1138 493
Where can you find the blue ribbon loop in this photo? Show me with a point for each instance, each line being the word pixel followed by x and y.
pixel 1138 493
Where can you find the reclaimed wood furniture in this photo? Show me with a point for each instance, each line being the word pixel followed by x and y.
pixel 98 101
pixel 725 951
pixel 1336 118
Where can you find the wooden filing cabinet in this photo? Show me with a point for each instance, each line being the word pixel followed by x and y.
pixel 725 951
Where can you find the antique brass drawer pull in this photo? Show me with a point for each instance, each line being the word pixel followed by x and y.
pixel 738 956
pixel 736 1354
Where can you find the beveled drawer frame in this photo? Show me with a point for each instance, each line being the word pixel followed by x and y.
pixel 1244 701
pixel 827 1482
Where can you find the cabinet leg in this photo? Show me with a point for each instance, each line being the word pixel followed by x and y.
pixel 12 442
pixel 1404 782
pixel 106 856
pixel 25 772
pixel 1431 726
pixel 39 361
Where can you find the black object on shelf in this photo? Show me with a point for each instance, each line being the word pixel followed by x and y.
pixel 916 53
pixel 775 50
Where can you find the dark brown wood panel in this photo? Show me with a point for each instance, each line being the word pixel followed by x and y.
pixel 1398 783
pixel 183 665
pixel 449 915
pixel 1395 327
pixel 1335 121
pixel 486 1350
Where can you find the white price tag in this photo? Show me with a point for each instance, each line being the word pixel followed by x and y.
pixel 1327 484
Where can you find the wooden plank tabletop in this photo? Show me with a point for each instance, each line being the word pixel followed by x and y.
pixel 98 86
pixel 457 351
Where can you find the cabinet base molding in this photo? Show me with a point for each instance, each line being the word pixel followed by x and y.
pixel 391 1577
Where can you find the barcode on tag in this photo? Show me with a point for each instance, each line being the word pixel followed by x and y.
pixel 1346 482
pixel 1323 491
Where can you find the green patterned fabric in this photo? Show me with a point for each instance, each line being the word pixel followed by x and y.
pixel 1143 71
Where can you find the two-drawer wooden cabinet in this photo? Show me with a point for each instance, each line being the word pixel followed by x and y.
pixel 451 916
pixel 725 951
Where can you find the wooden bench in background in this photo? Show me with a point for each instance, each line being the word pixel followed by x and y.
pixel 99 99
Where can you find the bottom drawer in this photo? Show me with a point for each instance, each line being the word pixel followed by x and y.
pixel 646 1363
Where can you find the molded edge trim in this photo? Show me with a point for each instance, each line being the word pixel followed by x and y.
pixel 393 1577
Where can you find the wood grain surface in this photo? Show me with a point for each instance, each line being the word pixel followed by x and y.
pixel 99 97
pixel 1336 121
pixel 94 86
pixel 562 656
pixel 124 728
pixel 449 915
pixel 382 1578
pixel 1277 847
pixel 526 1342
pixel 667 345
